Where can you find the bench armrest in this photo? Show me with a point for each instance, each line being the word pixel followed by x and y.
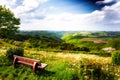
pixel 42 66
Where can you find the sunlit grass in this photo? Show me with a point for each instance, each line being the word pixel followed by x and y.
pixel 61 66
pixel 68 56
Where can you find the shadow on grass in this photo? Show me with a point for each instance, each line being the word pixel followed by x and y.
pixel 43 72
pixel 106 76
pixel 38 72
pixel 101 75
pixel 101 54
pixel 4 61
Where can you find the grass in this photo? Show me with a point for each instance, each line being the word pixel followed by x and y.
pixel 61 66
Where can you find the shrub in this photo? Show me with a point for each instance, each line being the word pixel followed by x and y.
pixel 85 49
pixel 100 53
pixel 14 51
pixel 115 43
pixel 90 70
pixel 76 49
pixel 116 58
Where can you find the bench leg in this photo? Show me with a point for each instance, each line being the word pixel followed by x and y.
pixel 14 62
pixel 34 66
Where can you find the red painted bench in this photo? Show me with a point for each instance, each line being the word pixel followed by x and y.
pixel 35 64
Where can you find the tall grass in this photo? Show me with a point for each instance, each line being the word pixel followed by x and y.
pixel 116 58
pixel 62 67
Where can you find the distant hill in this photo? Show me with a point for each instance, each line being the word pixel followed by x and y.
pixel 61 40
pixel 91 34
pixel 44 36
pixel 60 34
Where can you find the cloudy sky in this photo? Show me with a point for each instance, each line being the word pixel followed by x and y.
pixel 66 15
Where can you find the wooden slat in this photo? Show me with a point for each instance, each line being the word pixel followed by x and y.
pixel 25 63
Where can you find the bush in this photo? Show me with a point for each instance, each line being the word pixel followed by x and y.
pixel 116 58
pixel 100 53
pixel 14 51
pixel 90 70
pixel 84 49
pixel 115 43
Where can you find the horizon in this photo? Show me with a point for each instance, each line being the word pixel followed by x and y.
pixel 66 31
pixel 66 15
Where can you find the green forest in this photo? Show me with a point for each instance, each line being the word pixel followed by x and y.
pixel 70 55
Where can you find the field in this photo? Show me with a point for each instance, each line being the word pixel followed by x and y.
pixel 62 66
pixel 63 63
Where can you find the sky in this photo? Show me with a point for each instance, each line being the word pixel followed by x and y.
pixel 66 15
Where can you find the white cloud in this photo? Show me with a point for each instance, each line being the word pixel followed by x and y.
pixel 28 5
pixel 105 2
pixel 8 3
pixel 109 15
pixel 30 9
pixel 24 7
pixel 64 21
pixel 106 19
pixel 112 13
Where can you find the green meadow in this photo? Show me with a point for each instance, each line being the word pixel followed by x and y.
pixel 63 63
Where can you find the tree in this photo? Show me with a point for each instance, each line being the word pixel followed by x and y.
pixel 9 24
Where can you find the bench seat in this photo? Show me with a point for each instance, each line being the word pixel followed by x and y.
pixel 25 63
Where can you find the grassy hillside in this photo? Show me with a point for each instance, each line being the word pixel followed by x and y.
pixel 93 40
pixel 67 60
pixel 62 66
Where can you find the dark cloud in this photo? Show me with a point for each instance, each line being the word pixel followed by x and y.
pixel 90 5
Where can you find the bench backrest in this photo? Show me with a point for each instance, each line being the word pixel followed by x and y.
pixel 27 60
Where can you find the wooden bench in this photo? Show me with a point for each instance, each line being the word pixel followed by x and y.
pixel 35 64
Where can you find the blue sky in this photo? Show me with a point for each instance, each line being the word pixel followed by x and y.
pixel 66 15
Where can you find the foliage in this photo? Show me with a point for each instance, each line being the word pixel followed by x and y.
pixel 100 53
pixel 8 23
pixel 14 51
pixel 115 43
pixel 93 71
pixel 85 49
pixel 66 46
pixel 116 58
